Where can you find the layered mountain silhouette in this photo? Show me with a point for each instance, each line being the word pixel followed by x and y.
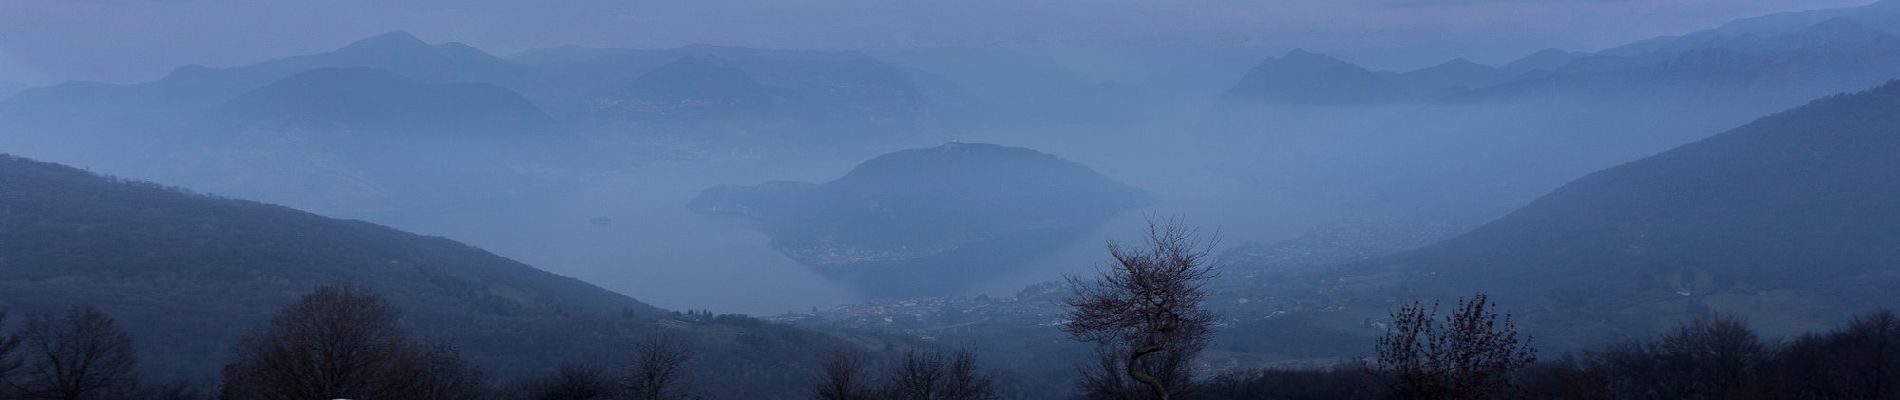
pixel 1882 15
pixel 1764 63
pixel 1831 56
pixel 1312 79
pixel 361 139
pixel 1305 78
pixel 1485 149
pixel 195 88
pixel 1454 76
pixel 67 122
pixel 998 75
pixel 187 274
pixel 848 80
pixel 727 97
pixel 928 220
pixel 698 89
pixel 369 99
pixel 1543 60
pixel 815 98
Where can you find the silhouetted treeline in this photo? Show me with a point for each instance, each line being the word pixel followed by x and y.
pixel 342 341
pixel 1717 357
pixel 917 375
pixel 345 342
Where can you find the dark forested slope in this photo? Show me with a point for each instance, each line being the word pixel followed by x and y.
pixel 1793 219
pixel 187 274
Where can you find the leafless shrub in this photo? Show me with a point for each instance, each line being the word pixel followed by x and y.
pixel 1471 354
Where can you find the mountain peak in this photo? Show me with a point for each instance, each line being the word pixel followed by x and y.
pixel 1456 65
pixel 1303 59
pixel 699 77
pixel 190 71
pixel 1546 59
pixel 389 40
pixel 1304 77
pixel 1838 26
pixel 1304 55
pixel 960 146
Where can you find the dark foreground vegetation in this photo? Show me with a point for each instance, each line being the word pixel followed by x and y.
pixel 1144 312
pixel 1715 357
pixel 342 341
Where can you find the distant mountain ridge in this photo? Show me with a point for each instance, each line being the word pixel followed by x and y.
pixel 723 97
pixel 817 97
pixel 365 98
pixel 1796 55
pixel 1882 15
pixel 193 88
pixel 1307 78
pixel 66 122
pixel 1302 77
pixel 360 139
pixel 1828 56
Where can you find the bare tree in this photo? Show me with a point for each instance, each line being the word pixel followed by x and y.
pixel 1148 301
pixel 844 378
pixel 339 341
pixel 1716 357
pixel 966 380
pixel 75 356
pixel 175 390
pixel 1471 354
pixel 571 382
pixel 932 375
pixel 659 369
pixel 1107 378
pixel 449 377
pixel 1872 369
pixel 918 376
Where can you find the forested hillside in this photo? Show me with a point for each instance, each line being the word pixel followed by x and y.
pixel 187 274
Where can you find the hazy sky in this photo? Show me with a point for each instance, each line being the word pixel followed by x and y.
pixel 133 40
